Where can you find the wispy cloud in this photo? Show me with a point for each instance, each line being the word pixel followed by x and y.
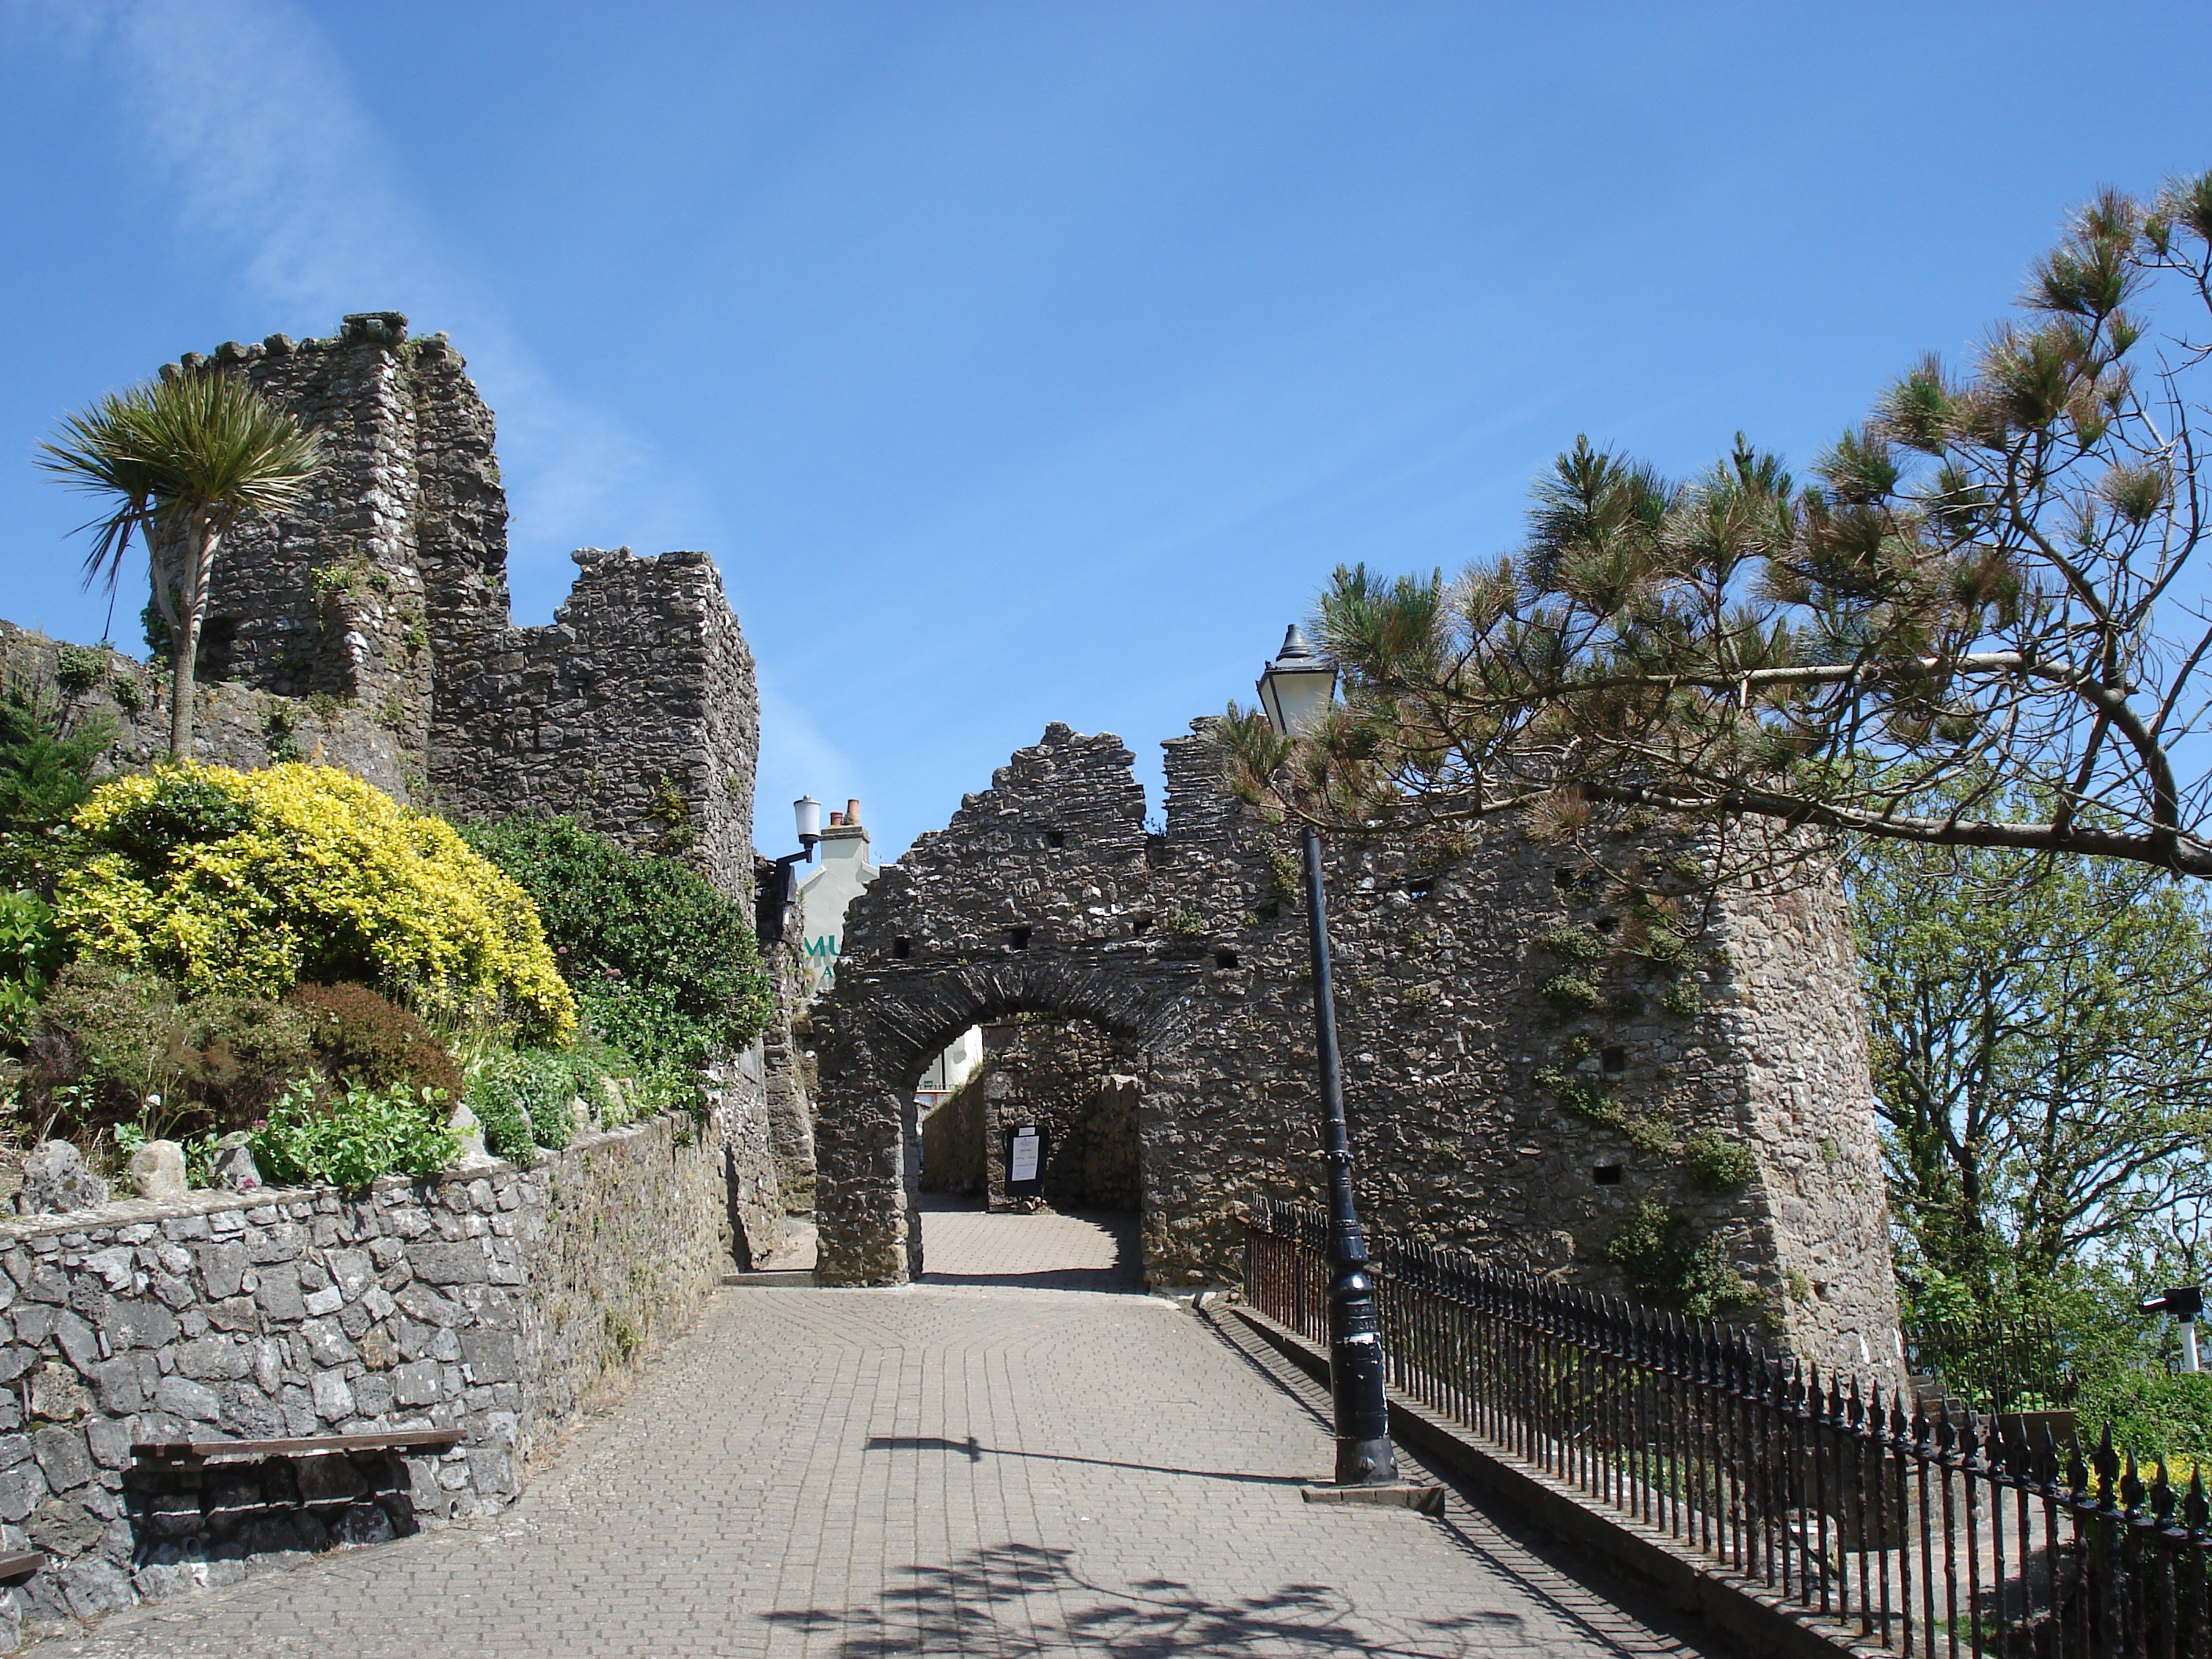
pixel 246 115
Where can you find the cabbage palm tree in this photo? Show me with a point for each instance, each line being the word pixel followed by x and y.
pixel 180 459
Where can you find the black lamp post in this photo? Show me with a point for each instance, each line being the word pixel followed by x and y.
pixel 768 924
pixel 1295 690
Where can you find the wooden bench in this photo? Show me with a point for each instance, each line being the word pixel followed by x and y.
pixel 170 1453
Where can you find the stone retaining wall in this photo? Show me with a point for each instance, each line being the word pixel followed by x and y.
pixel 232 725
pixel 497 1300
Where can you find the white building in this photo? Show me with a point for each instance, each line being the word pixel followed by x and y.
pixel 824 898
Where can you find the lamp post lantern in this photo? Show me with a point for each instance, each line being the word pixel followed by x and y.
pixel 768 919
pixel 1296 690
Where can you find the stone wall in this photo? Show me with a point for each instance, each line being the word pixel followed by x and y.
pixel 500 1302
pixel 635 710
pixel 1525 1068
pixel 233 725
pixel 1064 1077
pixel 952 1143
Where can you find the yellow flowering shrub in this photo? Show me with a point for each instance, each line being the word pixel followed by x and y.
pixel 249 881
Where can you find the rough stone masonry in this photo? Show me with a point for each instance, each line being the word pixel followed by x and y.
pixel 369 629
pixel 494 1302
pixel 1527 1069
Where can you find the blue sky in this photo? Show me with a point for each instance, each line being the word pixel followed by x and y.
pixel 1022 362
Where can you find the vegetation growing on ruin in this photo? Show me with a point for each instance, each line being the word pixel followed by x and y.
pixel 1658 1252
pixel 1719 1162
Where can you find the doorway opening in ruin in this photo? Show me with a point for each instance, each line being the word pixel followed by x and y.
pixel 1030 1173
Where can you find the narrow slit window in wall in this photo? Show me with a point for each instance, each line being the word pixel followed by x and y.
pixel 1019 938
pixel 1056 838
pixel 1607 1175
pixel 901 948
pixel 1225 958
pixel 1615 1061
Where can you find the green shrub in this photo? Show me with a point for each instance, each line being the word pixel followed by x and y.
pixel 2152 1414
pixel 546 1085
pixel 507 1128
pixel 1720 1162
pixel 45 758
pixel 103 1045
pixel 1657 1254
pixel 30 950
pixel 351 1138
pixel 665 965
pixel 29 953
pixel 236 1055
pixel 131 1050
pixel 366 1038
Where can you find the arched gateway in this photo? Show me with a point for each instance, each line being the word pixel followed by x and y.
pixel 1488 1109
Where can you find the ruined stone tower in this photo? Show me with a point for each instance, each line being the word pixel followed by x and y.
pixel 635 710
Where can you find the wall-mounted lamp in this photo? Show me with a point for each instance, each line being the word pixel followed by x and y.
pixel 767 920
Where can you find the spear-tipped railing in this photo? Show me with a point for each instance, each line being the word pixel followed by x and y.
pixel 1930 1533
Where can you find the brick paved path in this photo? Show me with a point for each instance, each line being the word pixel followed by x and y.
pixel 1083 1250
pixel 940 1469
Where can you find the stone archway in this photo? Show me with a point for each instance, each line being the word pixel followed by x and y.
pixel 1045 895
pixel 868 1200
pixel 1494 1105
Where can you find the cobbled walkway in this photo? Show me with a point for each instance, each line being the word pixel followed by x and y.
pixel 972 1468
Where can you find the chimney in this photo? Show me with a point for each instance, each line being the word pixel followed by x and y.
pixel 843 837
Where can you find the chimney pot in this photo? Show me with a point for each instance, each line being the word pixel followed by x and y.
pixel 852 812
pixel 836 818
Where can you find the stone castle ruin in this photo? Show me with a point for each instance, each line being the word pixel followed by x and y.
pixel 1529 1076
pixel 635 710
pixel 1526 1077
pixel 1521 1081
pixel 370 628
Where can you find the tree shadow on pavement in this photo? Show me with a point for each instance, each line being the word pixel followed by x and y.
pixel 1017 1599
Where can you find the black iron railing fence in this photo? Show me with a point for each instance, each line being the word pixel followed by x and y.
pixel 1930 1535
pixel 1997 1366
